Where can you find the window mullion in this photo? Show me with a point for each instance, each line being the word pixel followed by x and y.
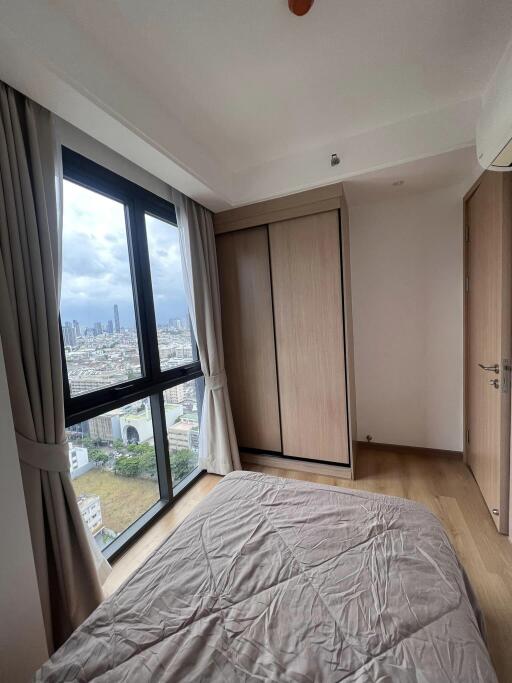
pixel 161 446
pixel 145 309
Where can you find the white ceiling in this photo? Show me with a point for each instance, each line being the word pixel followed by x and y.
pixel 252 82
pixel 231 89
pixel 424 175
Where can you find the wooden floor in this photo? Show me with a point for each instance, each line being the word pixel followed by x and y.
pixel 443 484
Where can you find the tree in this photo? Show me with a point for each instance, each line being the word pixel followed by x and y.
pixel 183 462
pixel 127 466
pixel 146 457
pixel 141 449
pixel 148 463
pixel 86 442
pixel 98 456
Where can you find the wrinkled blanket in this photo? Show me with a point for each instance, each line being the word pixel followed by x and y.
pixel 273 579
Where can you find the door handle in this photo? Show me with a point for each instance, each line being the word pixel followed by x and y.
pixel 490 368
pixel 495 383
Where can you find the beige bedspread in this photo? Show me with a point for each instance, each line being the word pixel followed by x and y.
pixel 278 580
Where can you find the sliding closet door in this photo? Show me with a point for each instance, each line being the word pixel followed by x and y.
pixel 248 333
pixel 308 309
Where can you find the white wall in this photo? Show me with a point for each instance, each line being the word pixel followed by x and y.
pixel 22 638
pixel 407 280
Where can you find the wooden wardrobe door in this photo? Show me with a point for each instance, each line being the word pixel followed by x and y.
pixel 308 310
pixel 248 333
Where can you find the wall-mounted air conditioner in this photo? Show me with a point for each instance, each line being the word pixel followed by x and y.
pixel 494 130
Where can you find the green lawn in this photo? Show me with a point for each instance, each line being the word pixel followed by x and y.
pixel 123 499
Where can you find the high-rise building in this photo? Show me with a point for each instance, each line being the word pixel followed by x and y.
pixel 175 323
pixel 117 326
pixel 76 327
pixel 68 334
pixel 175 394
pixel 110 327
pixel 97 329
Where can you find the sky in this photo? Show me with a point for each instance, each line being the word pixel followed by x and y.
pixel 96 270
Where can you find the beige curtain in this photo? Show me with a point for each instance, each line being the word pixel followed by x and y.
pixel 218 449
pixel 30 258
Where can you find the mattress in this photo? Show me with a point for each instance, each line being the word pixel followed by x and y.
pixel 273 579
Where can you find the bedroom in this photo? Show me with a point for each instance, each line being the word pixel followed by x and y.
pixel 256 287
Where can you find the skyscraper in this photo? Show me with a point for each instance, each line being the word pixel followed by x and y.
pixel 68 334
pixel 117 326
pixel 76 327
pixel 110 327
pixel 97 329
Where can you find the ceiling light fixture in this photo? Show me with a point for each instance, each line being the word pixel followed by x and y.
pixel 300 7
pixel 335 160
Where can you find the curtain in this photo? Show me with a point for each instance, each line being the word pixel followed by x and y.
pixel 218 449
pixel 30 262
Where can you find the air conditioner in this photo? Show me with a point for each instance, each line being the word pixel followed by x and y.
pixel 494 129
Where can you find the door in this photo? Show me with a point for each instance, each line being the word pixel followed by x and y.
pixel 488 341
pixel 305 260
pixel 248 335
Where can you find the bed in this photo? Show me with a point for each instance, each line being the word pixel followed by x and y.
pixel 274 579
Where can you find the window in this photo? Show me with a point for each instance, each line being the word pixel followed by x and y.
pixel 133 385
pixel 182 419
pixel 174 336
pixel 97 306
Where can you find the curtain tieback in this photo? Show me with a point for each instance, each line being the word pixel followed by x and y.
pixel 217 381
pixel 51 457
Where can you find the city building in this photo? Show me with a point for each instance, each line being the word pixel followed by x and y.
pixel 183 351
pixel 183 435
pixel 69 335
pixel 90 509
pixel 76 327
pixel 78 457
pixel 83 379
pixel 175 394
pixel 98 329
pixel 106 427
pixel 117 326
pixel 110 327
pixel 79 462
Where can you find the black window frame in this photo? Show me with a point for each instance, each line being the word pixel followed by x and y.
pixel 153 381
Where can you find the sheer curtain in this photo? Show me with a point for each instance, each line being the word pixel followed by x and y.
pixel 218 449
pixel 30 264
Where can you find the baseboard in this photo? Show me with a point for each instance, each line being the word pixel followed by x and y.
pixel 276 461
pixel 396 448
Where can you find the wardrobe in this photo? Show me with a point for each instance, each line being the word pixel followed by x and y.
pixel 284 276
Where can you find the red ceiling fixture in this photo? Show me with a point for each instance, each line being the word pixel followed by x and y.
pixel 300 7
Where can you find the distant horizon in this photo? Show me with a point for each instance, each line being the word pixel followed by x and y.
pixel 104 322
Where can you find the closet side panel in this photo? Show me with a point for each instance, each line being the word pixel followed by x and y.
pixel 248 333
pixel 307 285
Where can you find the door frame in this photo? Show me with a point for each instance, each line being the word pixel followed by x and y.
pixel 506 455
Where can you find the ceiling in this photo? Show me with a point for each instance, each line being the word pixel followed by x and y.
pixel 423 175
pixel 232 89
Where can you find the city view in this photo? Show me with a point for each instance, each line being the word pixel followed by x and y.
pixel 112 456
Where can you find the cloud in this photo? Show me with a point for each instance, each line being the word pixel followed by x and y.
pixel 96 270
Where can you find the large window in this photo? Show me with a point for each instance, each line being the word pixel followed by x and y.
pixel 133 385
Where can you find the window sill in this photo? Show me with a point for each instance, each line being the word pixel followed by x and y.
pixel 128 537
